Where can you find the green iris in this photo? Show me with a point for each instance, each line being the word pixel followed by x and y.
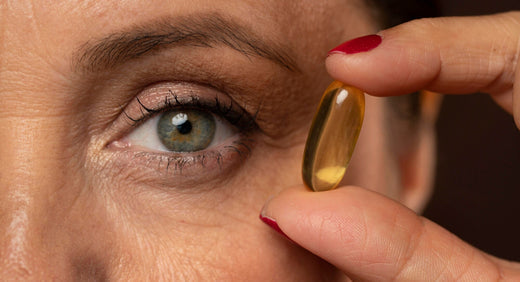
pixel 186 130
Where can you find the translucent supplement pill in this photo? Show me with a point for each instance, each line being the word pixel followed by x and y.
pixel 333 136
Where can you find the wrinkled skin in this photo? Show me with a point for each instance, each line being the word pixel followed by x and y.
pixel 79 201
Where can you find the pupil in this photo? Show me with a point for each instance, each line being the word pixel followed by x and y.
pixel 184 128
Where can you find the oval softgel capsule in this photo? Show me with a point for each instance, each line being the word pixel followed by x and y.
pixel 333 136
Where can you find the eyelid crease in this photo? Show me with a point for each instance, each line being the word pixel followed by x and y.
pixel 234 114
pixel 158 99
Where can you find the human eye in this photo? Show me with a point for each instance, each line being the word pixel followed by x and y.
pixel 185 130
pixel 181 130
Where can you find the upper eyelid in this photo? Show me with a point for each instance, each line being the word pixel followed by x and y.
pixel 168 99
pixel 137 121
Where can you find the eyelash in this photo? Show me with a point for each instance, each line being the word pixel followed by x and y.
pixel 232 112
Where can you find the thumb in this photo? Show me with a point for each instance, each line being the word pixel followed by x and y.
pixel 448 55
pixel 370 237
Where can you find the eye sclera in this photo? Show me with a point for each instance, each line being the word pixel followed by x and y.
pixel 147 135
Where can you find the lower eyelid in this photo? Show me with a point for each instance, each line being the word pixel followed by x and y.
pixel 182 170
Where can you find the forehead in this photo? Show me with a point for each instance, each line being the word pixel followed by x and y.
pixel 66 23
pixel 113 11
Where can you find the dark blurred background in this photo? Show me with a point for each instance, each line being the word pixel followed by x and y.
pixel 477 192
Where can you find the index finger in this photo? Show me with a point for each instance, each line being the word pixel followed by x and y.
pixel 448 55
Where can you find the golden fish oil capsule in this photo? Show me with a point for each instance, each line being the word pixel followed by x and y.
pixel 333 136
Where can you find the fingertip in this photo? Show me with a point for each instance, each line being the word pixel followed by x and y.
pixel 397 66
pixel 432 54
pixel 283 201
pixel 280 210
pixel 311 218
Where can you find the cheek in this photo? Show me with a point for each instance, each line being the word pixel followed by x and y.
pixel 211 235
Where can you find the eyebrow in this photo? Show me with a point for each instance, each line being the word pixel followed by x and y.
pixel 200 30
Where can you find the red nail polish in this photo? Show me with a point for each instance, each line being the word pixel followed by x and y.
pixel 272 223
pixel 358 45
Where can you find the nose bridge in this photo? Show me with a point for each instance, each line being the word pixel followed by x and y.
pixel 32 166
pixel 17 237
pixel 37 152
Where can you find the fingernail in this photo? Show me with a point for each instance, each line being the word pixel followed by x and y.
pixel 358 45
pixel 272 223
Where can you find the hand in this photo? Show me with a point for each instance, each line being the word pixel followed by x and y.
pixel 371 237
pixel 448 55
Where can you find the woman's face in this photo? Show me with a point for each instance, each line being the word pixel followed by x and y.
pixel 91 92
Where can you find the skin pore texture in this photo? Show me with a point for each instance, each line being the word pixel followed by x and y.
pixel 79 201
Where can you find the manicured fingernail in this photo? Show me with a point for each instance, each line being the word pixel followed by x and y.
pixel 358 45
pixel 272 223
